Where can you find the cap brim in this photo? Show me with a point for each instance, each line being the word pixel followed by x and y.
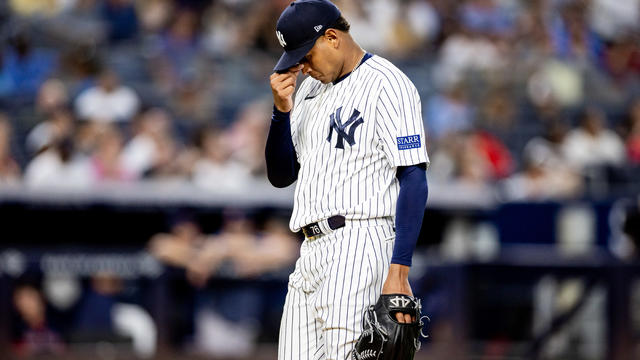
pixel 292 57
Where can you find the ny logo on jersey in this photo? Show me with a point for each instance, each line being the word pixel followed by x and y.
pixel 340 128
pixel 399 301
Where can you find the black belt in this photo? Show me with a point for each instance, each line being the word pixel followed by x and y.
pixel 314 229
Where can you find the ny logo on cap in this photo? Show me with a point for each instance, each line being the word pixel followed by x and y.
pixel 281 39
pixel 317 28
pixel 399 301
pixel 336 124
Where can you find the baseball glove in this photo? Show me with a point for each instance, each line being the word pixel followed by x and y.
pixel 383 337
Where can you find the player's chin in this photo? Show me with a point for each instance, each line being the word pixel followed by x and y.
pixel 323 80
pixel 319 77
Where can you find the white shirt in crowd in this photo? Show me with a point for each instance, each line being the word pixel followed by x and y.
pixel 48 169
pixel 583 149
pixel 96 104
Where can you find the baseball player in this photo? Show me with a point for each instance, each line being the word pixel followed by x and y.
pixel 354 140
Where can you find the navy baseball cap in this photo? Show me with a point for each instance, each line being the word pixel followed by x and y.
pixel 299 26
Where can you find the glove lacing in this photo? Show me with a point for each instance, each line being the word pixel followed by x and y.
pixel 422 325
pixel 417 342
pixel 375 325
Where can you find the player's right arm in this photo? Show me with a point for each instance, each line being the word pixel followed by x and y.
pixel 280 154
pixel 283 85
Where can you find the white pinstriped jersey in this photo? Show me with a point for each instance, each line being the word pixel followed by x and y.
pixel 350 138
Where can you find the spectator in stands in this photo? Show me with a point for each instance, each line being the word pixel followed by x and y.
pixel 194 99
pixel 107 102
pixel 181 245
pixel 247 137
pixel 592 143
pixel 622 61
pixel 448 112
pixel 52 96
pixel 532 40
pixel 106 161
pixel 414 24
pixel 57 125
pixel 494 152
pixel 85 137
pixel 59 166
pixel 176 249
pixel 242 251
pixel 154 14
pixel 178 50
pixel 75 23
pixel 9 169
pixel 613 19
pixel 80 67
pixel 454 159
pixel 33 333
pixel 550 147
pixel 546 174
pixel 498 113
pixel 487 17
pixel 107 314
pixel 614 79
pixel 121 19
pixel 238 250
pixel 93 318
pixel 223 30
pixel 472 158
pixel 53 120
pixel 152 149
pixel 556 84
pixel 443 159
pixel 467 52
pixel 571 34
pixel 24 68
pixel 633 137
pixel 260 21
pixel 274 248
pixel 471 167
pixel 37 7
pixel 215 169
pixel 363 26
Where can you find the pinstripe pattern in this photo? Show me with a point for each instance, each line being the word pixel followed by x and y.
pixel 350 173
pixel 336 277
pixel 358 181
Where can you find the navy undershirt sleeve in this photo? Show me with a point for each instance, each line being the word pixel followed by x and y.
pixel 282 162
pixel 409 211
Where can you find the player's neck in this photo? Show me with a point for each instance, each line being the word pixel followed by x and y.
pixel 353 59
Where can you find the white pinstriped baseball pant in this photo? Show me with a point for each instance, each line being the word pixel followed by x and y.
pixel 336 277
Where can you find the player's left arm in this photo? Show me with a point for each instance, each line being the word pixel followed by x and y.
pixel 409 213
pixel 401 130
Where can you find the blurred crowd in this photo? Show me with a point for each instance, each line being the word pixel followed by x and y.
pixel 227 318
pixel 212 297
pixel 541 98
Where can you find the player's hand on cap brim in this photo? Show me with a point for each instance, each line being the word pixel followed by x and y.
pixel 283 86
pixel 295 69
